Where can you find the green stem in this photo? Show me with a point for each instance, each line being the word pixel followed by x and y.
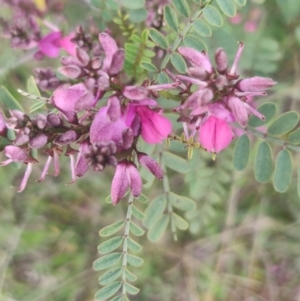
pixel 125 247
pixel 265 136
pixel 181 35
pixel 166 186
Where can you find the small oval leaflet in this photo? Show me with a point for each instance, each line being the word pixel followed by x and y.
pixel 158 38
pixel 294 137
pixel 241 152
pixel 129 276
pixel 134 260
pixel 135 229
pixel 170 18
pixel 180 223
pixel 108 291
pixel 182 7
pixel 178 62
pixel 110 245
pixel 241 2
pixel 8 100
pixel 283 171
pixel 182 202
pixel 283 124
pixel 212 16
pixel 157 230
pixel 194 42
pixel 202 28
pixel 106 261
pixel 154 210
pixel 268 110
pixel 227 7
pixel 133 245
pixel 137 213
pixel 136 4
pixel 111 229
pixel 175 162
pixel 110 276
pixel 130 289
pixel 148 66
pixel 263 167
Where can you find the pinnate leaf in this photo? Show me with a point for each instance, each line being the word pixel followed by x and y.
pixel 283 171
pixel 137 213
pixel 182 7
pixel 135 229
pixel 202 28
pixel 268 110
pixel 129 276
pixel 133 245
pixel 170 18
pixel 180 222
pixel 178 62
pixel 111 229
pixel 130 289
pixel 193 42
pixel 148 66
pixel 134 260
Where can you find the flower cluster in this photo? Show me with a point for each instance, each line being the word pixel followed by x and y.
pixel 98 113
pixel 221 98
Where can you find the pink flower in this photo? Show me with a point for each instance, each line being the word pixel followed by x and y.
pixel 215 134
pixel 154 126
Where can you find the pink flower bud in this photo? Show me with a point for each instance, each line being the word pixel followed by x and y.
pixel 255 84
pixel 38 141
pixel 134 179
pixel 238 109
pixel 110 47
pixel 71 71
pixel 151 165
pixel 221 60
pixel 66 138
pixel 82 56
pixel 117 62
pixel 113 108
pixel 135 92
pixel 119 184
pixel 3 128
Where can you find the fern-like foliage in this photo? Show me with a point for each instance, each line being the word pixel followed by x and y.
pixel 117 279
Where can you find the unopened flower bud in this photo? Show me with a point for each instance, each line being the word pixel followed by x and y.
pixel 135 93
pixel 38 141
pixel 238 109
pixel 117 62
pixel 54 120
pixel 82 56
pixel 71 71
pixel 127 138
pixel 255 84
pixel 151 165
pixel 66 138
pixel 221 60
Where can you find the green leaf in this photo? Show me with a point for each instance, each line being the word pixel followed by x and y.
pixel 294 137
pixel 134 260
pixel 263 167
pixel 36 106
pixel 142 198
pixel 283 124
pixel 135 229
pixel 162 78
pixel 175 162
pixel 108 291
pixel 268 110
pixel 110 276
pixel 129 276
pixel 283 171
pixel 111 229
pixel 178 62
pixel 138 15
pixel 182 7
pixel 110 245
pixel 107 261
pixel 227 7
pixel 117 298
pixel 154 210
pixel 202 28
pixel 136 4
pixel 32 87
pixel 241 2
pixel 194 42
pixel 170 18
pixel 180 223
pixel 137 213
pixel 158 38
pixel 159 227
pixel 241 152
pixel 130 289
pixel 298 182
pixel 212 16
pixel 182 202
pixel 8 100
pixel 148 66
pixel 133 245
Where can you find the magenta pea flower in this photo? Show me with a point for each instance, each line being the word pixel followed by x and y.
pixel 215 134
